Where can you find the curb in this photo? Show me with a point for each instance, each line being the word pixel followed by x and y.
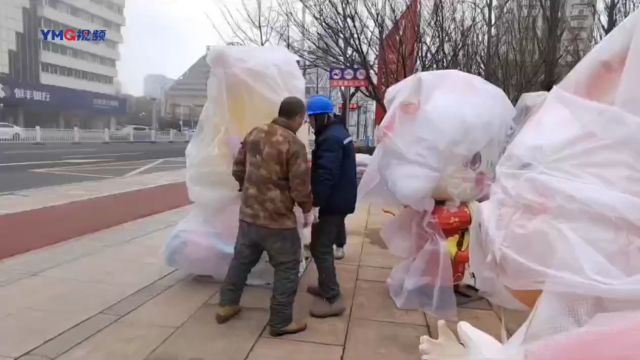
pixel 34 229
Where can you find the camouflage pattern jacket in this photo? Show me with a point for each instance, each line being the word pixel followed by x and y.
pixel 274 176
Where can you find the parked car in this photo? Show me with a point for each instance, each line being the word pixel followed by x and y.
pixel 188 131
pixel 127 130
pixel 10 132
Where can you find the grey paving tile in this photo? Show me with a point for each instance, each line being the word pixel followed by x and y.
pixel 74 336
pixel 203 339
pixel 373 274
pixel 372 302
pixel 120 341
pixel 279 349
pixel 369 340
pixel 174 306
pixel 135 300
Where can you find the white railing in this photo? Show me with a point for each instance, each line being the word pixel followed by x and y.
pixel 39 135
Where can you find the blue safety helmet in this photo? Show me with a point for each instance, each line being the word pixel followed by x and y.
pixel 319 105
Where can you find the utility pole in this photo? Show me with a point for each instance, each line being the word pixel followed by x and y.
pixel 304 38
pixel 345 49
pixel 358 124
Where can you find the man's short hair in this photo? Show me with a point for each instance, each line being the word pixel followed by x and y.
pixel 291 107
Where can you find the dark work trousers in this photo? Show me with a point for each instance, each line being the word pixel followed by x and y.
pixel 324 235
pixel 284 249
pixel 341 238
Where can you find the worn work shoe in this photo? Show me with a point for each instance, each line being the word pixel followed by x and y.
pixel 338 253
pixel 293 328
pixel 227 313
pixel 321 308
pixel 315 291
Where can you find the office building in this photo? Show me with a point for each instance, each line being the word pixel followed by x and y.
pixel 76 80
pixel 579 21
pixel 155 85
pixel 579 30
pixel 184 100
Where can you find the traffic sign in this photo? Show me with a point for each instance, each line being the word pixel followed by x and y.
pixel 348 76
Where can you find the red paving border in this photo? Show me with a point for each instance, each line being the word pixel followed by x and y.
pixel 33 229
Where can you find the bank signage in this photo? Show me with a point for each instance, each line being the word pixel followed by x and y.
pixel 29 94
pixel 39 97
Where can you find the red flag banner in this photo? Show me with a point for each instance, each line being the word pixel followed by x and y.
pixel 398 52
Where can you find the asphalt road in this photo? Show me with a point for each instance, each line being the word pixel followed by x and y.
pixel 24 166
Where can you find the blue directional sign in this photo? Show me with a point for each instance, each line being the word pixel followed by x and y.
pixel 348 76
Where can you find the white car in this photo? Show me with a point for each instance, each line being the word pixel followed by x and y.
pixel 132 133
pixel 10 132
pixel 134 129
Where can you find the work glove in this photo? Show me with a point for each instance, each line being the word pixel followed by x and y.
pixel 309 219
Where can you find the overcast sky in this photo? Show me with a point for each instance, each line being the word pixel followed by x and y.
pixel 165 37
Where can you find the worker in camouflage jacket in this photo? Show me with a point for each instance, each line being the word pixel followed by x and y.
pixel 273 172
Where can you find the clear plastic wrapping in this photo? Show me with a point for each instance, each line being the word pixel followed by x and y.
pixel 244 90
pixel 564 213
pixel 440 140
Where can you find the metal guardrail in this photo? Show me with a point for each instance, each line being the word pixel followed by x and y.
pixel 38 135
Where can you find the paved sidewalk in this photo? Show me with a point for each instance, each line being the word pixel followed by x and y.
pixel 109 296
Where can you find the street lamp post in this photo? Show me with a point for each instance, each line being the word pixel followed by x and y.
pixel 154 114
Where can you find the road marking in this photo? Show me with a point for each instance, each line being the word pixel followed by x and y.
pixel 101 163
pixel 54 162
pixel 53 172
pixel 98 155
pixel 146 167
pixel 12 193
pixel 97 168
pixel 47 151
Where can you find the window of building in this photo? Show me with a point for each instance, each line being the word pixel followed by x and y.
pixel 83 14
pixel 51 3
pixel 62 7
pixel 75 73
pixel 109 5
pixel 62 50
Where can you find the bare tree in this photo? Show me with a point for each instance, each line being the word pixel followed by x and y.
pixel 450 37
pixel 346 33
pixel 518 64
pixel 613 13
pixel 256 22
pixel 326 40
pixel 488 36
pixel 554 17
pixel 397 31
pixel 521 46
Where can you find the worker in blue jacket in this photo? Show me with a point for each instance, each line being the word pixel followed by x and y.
pixel 334 185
